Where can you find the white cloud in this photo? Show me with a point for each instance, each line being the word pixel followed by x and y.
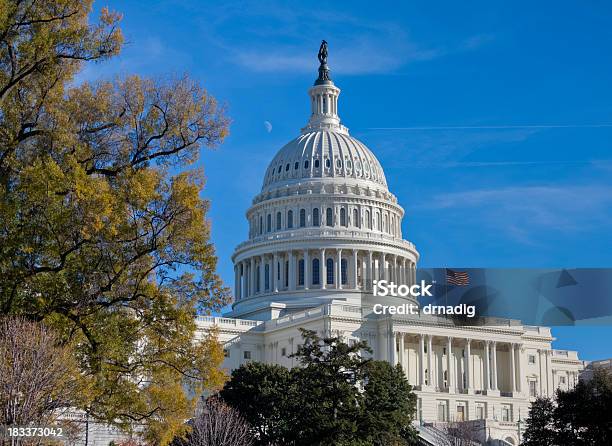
pixel 523 210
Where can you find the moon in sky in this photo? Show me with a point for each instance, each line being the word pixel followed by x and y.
pixel 268 126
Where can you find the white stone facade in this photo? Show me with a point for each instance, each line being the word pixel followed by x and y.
pixel 323 226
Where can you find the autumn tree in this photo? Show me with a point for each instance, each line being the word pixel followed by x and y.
pixel 103 234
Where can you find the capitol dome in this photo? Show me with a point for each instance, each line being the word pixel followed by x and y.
pixel 325 153
pixel 324 224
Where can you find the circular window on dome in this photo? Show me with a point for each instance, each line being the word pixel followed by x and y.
pixel 287 167
pixel 306 164
pixel 317 163
pixel 328 163
pixel 297 164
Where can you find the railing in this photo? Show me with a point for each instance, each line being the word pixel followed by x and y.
pixel 326 232
pixel 225 321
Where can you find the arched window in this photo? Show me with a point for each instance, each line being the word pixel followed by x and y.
pixel 317 164
pixel 269 223
pixel 290 219
pixel 316 274
pixel 379 222
pixel 297 164
pixel 368 222
pixel 356 222
pixel 343 271
pixel 342 217
pixel 329 266
pixel 260 225
pixel 329 216
pixel 306 163
pixel 287 168
pixel 385 227
pixel 278 221
pixel 315 217
pixel 257 281
pixel 267 278
pixel 302 218
pixel 301 272
pixel 327 163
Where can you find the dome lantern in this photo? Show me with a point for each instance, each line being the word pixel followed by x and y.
pixel 324 99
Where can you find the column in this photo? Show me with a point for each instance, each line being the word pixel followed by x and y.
pixel 395 279
pixel 512 370
pixel 449 364
pixel 494 367
pixel 486 363
pixel 306 270
pixel 274 273
pixel 262 275
pixel 323 270
pixel 542 377
pixel 339 270
pixel 252 278
pixel 468 366
pixel 291 271
pixel 383 267
pixel 549 378
pixel 421 360
pixel 393 347
pixel 369 276
pixel 401 351
pixel 430 360
pixel 519 369
pixel 237 281
pixel 355 281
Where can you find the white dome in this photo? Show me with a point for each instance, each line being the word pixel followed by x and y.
pixel 323 154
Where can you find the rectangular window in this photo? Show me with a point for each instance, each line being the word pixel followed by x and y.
pixel 226 353
pixel 480 412
pixel 287 273
pixel 532 389
pixel 283 351
pixel 531 359
pixel 247 354
pixel 441 411
pixel 267 278
pixel 301 272
pixel 562 379
pixel 506 413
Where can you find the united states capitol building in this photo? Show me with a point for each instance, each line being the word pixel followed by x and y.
pixel 323 226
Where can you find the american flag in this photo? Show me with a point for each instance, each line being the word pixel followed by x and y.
pixel 459 278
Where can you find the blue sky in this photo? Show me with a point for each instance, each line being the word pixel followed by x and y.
pixel 492 120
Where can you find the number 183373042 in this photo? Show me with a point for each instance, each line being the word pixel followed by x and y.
pixel 32 431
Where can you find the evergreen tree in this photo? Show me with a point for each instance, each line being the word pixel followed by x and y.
pixel 335 397
pixel 540 430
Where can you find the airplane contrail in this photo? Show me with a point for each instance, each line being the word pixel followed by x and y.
pixel 494 127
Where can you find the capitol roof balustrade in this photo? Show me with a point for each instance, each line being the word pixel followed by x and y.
pixel 227 322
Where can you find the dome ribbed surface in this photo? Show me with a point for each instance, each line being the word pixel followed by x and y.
pixel 323 154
